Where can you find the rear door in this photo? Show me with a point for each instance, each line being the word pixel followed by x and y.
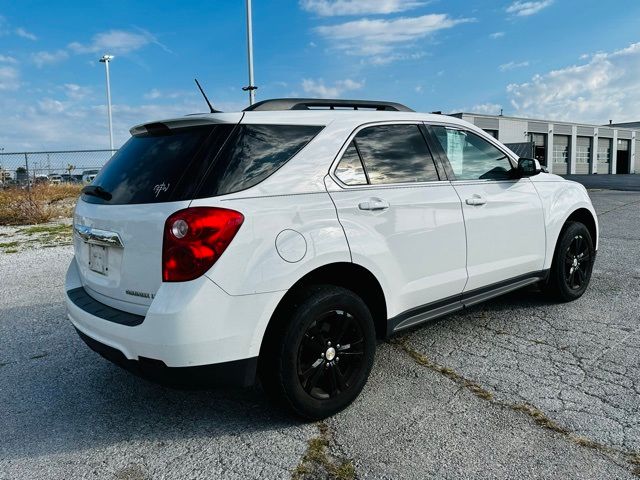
pixel 503 216
pixel 401 220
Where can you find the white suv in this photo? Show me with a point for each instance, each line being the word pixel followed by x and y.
pixel 282 241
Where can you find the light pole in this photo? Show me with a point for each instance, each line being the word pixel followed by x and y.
pixel 251 87
pixel 106 59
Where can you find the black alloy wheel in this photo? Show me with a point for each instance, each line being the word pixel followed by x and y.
pixel 331 355
pixel 318 356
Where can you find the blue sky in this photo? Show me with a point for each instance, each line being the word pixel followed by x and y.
pixel 561 59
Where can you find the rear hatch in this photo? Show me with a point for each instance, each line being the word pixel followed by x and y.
pixel 119 220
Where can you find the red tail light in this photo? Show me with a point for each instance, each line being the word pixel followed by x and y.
pixel 194 239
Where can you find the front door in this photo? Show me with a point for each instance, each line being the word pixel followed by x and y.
pixel 402 222
pixel 503 216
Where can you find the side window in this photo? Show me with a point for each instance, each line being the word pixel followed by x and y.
pixel 350 170
pixel 472 157
pixel 253 153
pixel 395 154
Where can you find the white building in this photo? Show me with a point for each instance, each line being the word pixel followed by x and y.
pixel 567 148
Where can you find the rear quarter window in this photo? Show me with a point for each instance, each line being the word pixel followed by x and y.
pixel 253 153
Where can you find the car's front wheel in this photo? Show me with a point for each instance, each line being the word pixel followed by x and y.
pixel 572 263
pixel 319 359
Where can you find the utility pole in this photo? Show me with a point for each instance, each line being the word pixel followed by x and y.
pixel 106 59
pixel 251 87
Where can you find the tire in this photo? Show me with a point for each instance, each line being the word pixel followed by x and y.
pixel 572 263
pixel 305 366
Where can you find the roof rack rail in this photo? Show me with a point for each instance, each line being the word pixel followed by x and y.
pixel 331 104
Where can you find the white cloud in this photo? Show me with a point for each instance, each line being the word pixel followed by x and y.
pixel 487 108
pixel 116 42
pixel 155 94
pixel 7 59
pixel 21 32
pixel 330 8
pixel 61 124
pixel 419 89
pixel 380 36
pixel 512 65
pixel 496 35
pixel 604 87
pixel 317 88
pixel 48 58
pixel 9 78
pixel 76 92
pixel 524 9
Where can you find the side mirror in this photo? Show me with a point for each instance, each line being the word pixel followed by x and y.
pixel 528 167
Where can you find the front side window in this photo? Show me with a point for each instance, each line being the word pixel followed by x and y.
pixel 472 157
pixel 395 154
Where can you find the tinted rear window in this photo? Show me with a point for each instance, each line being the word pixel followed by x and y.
pixel 253 153
pixel 151 167
pixel 187 163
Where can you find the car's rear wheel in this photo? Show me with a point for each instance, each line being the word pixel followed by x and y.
pixel 572 263
pixel 319 358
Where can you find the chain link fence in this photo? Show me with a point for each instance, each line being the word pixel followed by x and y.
pixel 70 166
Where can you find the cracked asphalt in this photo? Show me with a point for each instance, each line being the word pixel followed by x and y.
pixel 66 413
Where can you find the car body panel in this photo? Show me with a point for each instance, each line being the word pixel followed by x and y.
pixel 253 264
pixel 505 236
pixel 560 198
pixel 402 245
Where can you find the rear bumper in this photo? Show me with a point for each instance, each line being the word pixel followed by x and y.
pixel 188 324
pixel 240 373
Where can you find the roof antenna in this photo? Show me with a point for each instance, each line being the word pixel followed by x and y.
pixel 205 97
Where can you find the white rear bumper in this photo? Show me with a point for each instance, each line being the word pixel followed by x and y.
pixel 188 324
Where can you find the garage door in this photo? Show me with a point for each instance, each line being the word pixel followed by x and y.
pixel 604 155
pixel 583 155
pixel 561 154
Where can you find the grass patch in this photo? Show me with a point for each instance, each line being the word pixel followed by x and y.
pixel 44 202
pixel 56 229
pixel 317 462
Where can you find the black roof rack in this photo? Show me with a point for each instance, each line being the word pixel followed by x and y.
pixel 331 104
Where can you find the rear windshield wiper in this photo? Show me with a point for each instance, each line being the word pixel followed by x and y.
pixel 96 191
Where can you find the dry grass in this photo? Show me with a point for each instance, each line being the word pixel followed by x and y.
pixel 42 204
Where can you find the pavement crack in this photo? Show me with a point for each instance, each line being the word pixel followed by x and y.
pixel 630 458
pixel 318 462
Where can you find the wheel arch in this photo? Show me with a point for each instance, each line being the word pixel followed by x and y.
pixel 347 275
pixel 585 217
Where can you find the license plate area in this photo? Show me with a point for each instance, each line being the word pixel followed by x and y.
pixel 98 259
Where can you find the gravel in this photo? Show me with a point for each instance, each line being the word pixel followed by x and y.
pixel 67 413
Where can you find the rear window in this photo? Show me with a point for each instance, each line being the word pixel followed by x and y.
pixel 182 164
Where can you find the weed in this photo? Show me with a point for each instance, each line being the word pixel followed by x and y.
pixel 317 463
pixel 42 203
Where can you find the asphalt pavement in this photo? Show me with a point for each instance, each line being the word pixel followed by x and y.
pixel 622 182
pixel 518 387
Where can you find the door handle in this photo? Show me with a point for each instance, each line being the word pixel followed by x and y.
pixel 374 204
pixel 476 200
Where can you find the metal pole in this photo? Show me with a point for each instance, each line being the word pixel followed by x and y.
pixel 251 87
pixel 106 66
pixel 26 164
